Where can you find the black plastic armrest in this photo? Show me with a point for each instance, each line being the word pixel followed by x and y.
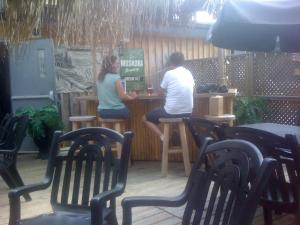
pixel 3 143
pixel 17 192
pixel 7 150
pixel 138 201
pixel 14 198
pixel 99 201
pixel 107 195
pixel 130 202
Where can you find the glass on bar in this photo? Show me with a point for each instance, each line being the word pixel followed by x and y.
pixel 150 89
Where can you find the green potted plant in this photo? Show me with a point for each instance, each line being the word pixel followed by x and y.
pixel 249 109
pixel 43 122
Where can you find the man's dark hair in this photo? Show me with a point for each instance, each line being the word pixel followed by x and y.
pixel 176 59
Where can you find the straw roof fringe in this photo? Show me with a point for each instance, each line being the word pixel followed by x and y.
pixel 87 22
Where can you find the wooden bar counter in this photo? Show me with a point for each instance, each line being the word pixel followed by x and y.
pixel 147 146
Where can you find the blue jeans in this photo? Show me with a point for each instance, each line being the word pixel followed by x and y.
pixel 114 113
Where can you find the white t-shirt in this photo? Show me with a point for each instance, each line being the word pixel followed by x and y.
pixel 179 84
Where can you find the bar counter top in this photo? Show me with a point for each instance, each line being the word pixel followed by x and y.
pixel 156 96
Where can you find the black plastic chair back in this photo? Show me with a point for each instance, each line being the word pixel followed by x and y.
pixel 224 186
pixel 282 187
pixel 4 126
pixel 284 183
pixel 201 129
pixel 15 135
pixel 87 168
pixel 16 131
pixel 224 190
pixel 85 176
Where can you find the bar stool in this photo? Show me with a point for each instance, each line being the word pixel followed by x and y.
pixel 171 150
pixel 225 118
pixel 115 124
pixel 77 121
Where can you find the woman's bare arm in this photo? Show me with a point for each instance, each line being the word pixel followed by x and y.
pixel 122 94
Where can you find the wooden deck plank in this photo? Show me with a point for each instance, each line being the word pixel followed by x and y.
pixel 153 219
pixel 144 178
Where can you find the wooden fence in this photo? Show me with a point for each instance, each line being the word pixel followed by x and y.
pixel 70 106
pixel 273 76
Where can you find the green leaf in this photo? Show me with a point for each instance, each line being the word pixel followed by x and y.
pixel 42 120
pixel 249 109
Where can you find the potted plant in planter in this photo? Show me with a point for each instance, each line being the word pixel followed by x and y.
pixel 249 109
pixel 43 122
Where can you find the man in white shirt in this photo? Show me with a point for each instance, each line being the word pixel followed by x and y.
pixel 178 83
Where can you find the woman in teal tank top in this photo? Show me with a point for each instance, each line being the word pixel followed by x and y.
pixel 110 91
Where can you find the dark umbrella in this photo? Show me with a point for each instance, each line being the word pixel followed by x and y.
pixel 261 25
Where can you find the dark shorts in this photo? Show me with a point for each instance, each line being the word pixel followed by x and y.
pixel 114 113
pixel 154 115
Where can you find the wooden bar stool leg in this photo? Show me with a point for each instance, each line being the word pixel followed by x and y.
pixel 88 124
pixel 75 125
pixel 164 160
pixel 184 146
pixel 117 127
pixel 120 127
pixel 123 127
pixel 98 123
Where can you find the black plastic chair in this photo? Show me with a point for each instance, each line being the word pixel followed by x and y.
pixel 223 185
pixel 84 179
pixel 281 194
pixel 11 143
pixel 202 128
pixel 4 126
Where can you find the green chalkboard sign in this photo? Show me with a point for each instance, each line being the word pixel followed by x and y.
pixel 132 68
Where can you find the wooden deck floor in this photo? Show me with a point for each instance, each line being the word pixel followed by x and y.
pixel 143 178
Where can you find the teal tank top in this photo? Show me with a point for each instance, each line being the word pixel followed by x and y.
pixel 107 93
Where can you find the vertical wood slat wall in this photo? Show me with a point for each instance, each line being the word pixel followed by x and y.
pixel 158 48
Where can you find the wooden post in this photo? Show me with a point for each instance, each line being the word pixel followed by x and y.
pixel 65 110
pixel 184 147
pixel 94 62
pixel 165 152
pixel 117 127
pixel 74 104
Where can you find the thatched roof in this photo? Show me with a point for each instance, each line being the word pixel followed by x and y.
pixel 92 22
